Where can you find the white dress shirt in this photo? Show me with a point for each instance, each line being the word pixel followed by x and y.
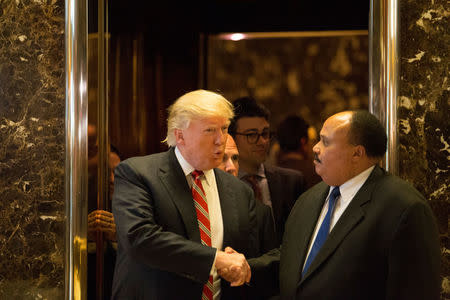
pixel 215 213
pixel 348 191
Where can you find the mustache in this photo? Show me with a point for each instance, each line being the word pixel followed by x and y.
pixel 316 158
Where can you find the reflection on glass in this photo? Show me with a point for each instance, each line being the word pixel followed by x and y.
pixel 102 159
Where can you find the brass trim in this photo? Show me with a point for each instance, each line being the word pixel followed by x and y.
pixel 102 136
pixel 287 34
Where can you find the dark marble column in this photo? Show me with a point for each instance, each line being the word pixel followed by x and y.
pixel 32 143
pixel 423 110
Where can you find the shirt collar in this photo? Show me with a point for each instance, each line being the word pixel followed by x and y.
pixel 349 188
pixel 187 168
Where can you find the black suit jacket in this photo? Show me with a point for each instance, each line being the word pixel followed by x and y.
pixel 285 186
pixel 266 229
pixel 160 255
pixel 384 246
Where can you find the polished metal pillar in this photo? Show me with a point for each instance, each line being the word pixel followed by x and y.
pixel 76 149
pixel 383 72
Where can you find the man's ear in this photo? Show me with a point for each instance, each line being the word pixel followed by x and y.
pixel 179 138
pixel 359 152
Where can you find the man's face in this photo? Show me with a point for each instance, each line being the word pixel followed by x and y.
pixel 333 153
pixel 202 144
pixel 252 153
pixel 230 162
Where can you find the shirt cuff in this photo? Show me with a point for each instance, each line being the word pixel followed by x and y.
pixel 214 264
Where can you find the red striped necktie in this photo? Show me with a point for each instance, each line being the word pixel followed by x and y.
pixel 201 207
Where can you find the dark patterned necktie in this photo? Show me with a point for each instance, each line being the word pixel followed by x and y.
pixel 253 180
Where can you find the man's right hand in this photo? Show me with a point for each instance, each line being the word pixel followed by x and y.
pixel 233 267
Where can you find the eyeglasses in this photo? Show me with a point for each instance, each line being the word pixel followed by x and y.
pixel 253 137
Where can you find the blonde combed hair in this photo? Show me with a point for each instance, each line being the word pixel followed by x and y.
pixel 195 105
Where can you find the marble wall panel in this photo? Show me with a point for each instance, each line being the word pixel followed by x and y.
pixel 32 143
pixel 314 77
pixel 423 110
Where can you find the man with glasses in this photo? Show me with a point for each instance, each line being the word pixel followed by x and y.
pixel 230 164
pixel 275 187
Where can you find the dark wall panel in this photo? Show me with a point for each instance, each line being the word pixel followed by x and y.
pixel 423 110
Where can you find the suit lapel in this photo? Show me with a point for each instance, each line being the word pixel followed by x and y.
pixel 299 229
pixel 311 213
pixel 173 178
pixel 351 217
pixel 273 181
pixel 228 207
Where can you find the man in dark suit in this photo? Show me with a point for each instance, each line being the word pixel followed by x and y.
pixel 266 228
pixel 361 233
pixel 275 187
pixel 175 213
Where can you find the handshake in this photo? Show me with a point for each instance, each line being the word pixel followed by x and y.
pixel 233 267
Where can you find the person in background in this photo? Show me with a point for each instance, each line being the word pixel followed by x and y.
pixel 176 214
pixel 266 228
pixel 101 221
pixel 230 161
pixel 296 148
pixel 275 187
pixel 361 233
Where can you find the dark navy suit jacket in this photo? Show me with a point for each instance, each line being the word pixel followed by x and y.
pixel 384 246
pixel 160 255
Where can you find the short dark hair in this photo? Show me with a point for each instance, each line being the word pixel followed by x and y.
pixel 113 149
pixel 290 132
pixel 367 131
pixel 247 107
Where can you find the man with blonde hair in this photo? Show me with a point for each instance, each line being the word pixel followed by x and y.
pixel 176 214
